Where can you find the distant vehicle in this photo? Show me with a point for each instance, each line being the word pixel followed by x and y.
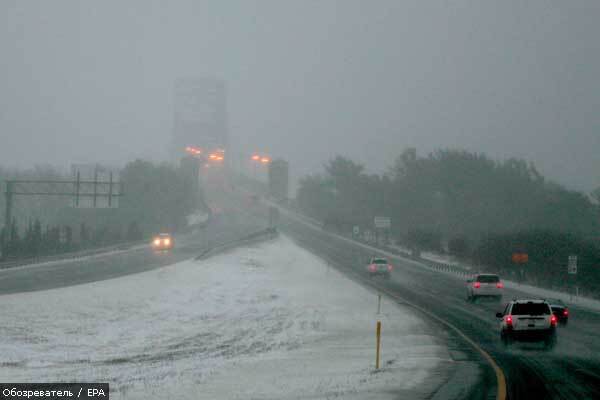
pixel 379 267
pixel 484 285
pixel 528 320
pixel 163 241
pixel 560 310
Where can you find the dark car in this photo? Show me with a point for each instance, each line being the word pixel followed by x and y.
pixel 560 310
pixel 163 241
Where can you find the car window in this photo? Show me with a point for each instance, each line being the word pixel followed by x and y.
pixel 380 261
pixel 530 309
pixel 488 278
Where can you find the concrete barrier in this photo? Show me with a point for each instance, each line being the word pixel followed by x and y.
pixel 70 255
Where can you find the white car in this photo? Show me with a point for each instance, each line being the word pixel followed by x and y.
pixel 528 320
pixel 484 285
pixel 379 266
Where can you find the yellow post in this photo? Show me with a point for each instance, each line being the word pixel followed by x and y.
pixel 378 343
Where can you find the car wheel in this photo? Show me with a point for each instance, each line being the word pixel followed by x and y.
pixel 564 322
pixel 506 340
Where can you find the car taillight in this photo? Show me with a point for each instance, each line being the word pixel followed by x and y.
pixel 372 268
pixel 565 312
pixel 553 320
pixel 499 285
pixel 476 285
pixel 390 267
pixel 508 320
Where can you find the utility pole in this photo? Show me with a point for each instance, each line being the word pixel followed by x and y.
pixel 8 213
pixel 75 190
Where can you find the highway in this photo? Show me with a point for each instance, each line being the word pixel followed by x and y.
pixel 570 371
pixel 221 229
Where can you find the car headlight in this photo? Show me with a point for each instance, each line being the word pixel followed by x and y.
pixel 157 242
pixel 167 242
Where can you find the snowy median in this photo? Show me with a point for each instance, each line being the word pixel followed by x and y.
pixel 270 321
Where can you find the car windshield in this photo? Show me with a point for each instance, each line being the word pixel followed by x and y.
pixel 488 278
pixel 530 309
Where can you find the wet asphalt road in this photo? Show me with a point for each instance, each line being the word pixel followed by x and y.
pixel 570 371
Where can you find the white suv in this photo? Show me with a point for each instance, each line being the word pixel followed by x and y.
pixel 379 266
pixel 488 285
pixel 528 320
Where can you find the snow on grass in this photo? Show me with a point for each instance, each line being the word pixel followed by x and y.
pixel 265 322
pixel 197 218
pixel 567 298
pixel 444 259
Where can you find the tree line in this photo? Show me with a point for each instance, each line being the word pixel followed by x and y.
pixel 459 202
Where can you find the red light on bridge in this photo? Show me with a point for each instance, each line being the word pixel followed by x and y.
pixel 193 150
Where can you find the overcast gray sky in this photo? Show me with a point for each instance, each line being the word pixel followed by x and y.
pixel 93 81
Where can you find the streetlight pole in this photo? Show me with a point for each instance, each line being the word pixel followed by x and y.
pixel 8 214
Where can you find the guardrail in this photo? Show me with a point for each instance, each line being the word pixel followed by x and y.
pixel 434 265
pixel 70 255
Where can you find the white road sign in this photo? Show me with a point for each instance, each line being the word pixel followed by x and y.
pixel 383 222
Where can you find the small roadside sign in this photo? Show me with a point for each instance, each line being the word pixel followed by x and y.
pixel 383 222
pixel 572 266
pixel 355 230
pixel 520 258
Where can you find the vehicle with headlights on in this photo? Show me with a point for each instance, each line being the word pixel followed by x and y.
pixel 163 241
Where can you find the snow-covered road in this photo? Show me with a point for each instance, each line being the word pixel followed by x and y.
pixel 270 321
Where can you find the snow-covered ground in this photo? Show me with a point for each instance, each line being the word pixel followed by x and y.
pixel 197 218
pixel 265 322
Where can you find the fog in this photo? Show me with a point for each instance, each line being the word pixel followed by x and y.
pixel 93 81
